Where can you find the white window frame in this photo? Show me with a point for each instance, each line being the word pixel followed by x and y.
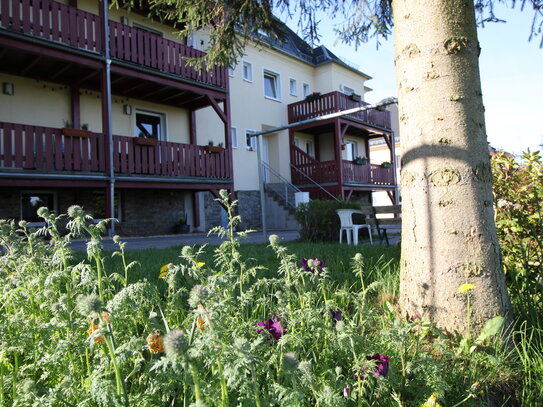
pixel 310 148
pixel 163 122
pixel 297 142
pixel 251 146
pixel 231 69
pixel 293 82
pixel 234 133
pixel 347 90
pixel 247 76
pixel 277 81
pixel 37 192
pixel 306 89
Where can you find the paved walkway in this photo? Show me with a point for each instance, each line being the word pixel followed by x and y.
pixel 164 242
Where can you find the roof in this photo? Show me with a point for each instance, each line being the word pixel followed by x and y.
pixel 296 47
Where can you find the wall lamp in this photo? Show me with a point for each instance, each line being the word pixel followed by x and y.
pixel 127 109
pixel 8 88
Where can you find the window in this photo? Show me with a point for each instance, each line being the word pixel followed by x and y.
pixel 293 87
pixel 231 68
pixel 234 137
pixel 271 85
pixel 297 142
pixel 150 125
pixel 307 89
pixel 347 90
pixel 309 149
pixel 250 142
pixel 148 29
pixel 32 201
pixel 247 71
pixel 351 150
pixel 99 209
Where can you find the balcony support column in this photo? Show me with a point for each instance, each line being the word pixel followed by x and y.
pixel 338 138
pixel 192 127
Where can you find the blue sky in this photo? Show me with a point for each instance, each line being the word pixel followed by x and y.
pixel 511 76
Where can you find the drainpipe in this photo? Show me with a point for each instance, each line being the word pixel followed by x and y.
pixel 109 129
pixel 261 186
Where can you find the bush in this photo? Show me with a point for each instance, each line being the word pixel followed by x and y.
pixel 518 194
pixel 319 221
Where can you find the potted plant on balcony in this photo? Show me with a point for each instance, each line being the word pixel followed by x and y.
pixel 214 149
pixel 144 139
pixel 355 97
pixel 386 164
pixel 69 131
pixel 360 160
pixel 313 96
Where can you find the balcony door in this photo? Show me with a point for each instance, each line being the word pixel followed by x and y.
pixel 351 151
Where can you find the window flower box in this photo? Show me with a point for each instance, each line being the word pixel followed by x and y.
pixel 386 164
pixel 360 161
pixel 356 97
pixel 313 96
pixel 70 132
pixel 214 149
pixel 143 141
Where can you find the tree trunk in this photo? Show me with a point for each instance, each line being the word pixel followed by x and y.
pixel 448 233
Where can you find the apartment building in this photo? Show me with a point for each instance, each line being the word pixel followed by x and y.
pixel 126 128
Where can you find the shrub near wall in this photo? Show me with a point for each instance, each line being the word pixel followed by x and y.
pixel 319 221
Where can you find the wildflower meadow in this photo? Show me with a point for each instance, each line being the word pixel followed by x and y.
pixel 213 327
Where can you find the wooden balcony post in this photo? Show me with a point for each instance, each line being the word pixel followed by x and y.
pixel 76 107
pixel 339 160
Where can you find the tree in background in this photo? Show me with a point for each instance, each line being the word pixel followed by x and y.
pixel 448 237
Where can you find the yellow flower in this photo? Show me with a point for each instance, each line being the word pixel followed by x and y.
pixel 466 288
pixel 94 327
pixel 156 342
pixel 200 323
pixel 200 264
pixel 164 270
pixel 431 402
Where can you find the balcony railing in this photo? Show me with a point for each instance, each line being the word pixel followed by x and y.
pixel 334 102
pixel 324 172
pixel 169 159
pixel 54 21
pixel 24 147
pixel 46 149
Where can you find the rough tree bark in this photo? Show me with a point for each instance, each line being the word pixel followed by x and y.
pixel 448 234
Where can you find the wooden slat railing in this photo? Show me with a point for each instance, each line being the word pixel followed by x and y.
pixel 144 48
pixel 169 159
pixel 320 172
pixel 334 102
pixel 382 175
pixel 47 149
pixel 54 21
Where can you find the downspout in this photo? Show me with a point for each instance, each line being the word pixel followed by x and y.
pixel 109 129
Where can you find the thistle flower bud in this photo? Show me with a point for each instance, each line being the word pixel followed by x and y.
pixel 175 343
pixel 43 212
pixel 186 251
pixel 274 240
pixel 75 211
pixel 89 304
pixel 116 239
pixel 198 295
pixel 223 193
pixel 23 223
pixel 358 257
pixel 290 361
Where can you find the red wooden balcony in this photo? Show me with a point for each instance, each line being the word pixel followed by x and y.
pixel 169 159
pixel 327 172
pixel 60 23
pixel 45 149
pixel 334 102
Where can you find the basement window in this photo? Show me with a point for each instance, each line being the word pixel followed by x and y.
pixel 32 201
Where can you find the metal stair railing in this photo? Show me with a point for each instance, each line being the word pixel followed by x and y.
pixel 314 182
pixel 287 185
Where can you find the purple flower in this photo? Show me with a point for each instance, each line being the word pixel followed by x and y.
pixel 347 391
pixel 273 326
pixel 312 265
pixel 336 315
pixel 381 364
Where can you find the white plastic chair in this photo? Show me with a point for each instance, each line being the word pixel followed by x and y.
pixel 346 219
